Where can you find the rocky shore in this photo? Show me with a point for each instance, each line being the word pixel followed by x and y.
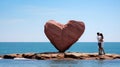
pixel 62 56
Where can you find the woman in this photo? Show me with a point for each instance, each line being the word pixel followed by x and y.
pixel 100 38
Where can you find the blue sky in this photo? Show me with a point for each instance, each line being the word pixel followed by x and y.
pixel 24 20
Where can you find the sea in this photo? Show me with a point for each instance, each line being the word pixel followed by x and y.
pixel 39 47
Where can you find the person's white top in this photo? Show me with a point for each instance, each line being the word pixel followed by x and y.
pixel 99 39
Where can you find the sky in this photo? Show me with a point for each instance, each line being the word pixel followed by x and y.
pixel 24 20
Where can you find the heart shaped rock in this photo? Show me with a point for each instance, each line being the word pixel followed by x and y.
pixel 64 36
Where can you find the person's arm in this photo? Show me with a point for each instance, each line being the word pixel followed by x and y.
pixel 101 39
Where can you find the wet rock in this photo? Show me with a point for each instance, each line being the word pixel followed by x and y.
pixel 29 56
pixel 72 55
pixel 93 55
pixel 43 56
pixel 116 56
pixel 59 56
pixel 8 57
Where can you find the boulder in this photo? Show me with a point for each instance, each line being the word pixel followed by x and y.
pixel 8 57
pixel 28 55
pixel 63 36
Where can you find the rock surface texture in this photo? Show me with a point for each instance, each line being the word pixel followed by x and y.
pixel 62 56
pixel 63 36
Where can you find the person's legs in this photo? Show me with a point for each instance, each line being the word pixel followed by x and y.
pixel 100 50
pixel 103 50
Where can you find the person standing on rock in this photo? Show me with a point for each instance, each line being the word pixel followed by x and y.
pixel 100 38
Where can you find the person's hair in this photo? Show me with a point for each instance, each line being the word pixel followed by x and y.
pixel 102 35
pixel 98 33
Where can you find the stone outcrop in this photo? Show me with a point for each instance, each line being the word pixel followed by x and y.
pixel 62 56
pixel 63 36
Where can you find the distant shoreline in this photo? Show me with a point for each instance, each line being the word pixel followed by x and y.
pixel 61 56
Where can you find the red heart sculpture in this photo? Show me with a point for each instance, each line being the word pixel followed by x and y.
pixel 63 36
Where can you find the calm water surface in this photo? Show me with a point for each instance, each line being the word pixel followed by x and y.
pixel 38 47
pixel 59 63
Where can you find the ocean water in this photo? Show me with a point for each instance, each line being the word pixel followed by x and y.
pixel 38 47
pixel 59 63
